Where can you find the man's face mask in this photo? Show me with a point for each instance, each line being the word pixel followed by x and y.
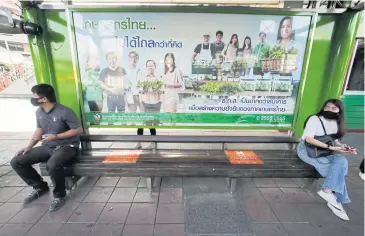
pixel 35 101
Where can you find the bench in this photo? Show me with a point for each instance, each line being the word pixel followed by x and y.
pixel 278 155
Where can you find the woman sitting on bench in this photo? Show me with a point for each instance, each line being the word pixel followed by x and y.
pixel 333 166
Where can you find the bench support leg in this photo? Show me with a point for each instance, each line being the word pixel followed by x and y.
pixel 150 181
pixel 71 182
pixel 312 185
pixel 232 184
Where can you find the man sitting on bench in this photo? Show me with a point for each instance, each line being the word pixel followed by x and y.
pixel 58 129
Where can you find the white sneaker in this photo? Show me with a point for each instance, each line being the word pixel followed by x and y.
pixel 330 198
pixel 339 212
pixel 137 146
pixel 362 175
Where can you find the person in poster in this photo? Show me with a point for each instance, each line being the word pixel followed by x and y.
pixel 112 82
pixel 150 89
pixel 258 52
pixel 132 78
pixel 230 50
pixel 173 83
pixel 286 41
pixel 203 51
pixel 91 84
pixel 218 45
pixel 247 52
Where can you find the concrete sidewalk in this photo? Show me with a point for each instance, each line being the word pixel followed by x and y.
pixel 178 206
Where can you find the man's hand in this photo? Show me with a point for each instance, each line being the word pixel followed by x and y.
pixel 23 151
pixel 49 137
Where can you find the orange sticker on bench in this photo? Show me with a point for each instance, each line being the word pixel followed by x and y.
pixel 123 156
pixel 243 157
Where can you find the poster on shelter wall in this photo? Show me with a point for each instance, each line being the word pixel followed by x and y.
pixel 190 69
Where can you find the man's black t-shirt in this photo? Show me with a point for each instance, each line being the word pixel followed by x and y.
pixel 198 47
pixel 114 79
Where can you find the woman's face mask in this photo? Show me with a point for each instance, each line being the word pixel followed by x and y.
pixel 330 115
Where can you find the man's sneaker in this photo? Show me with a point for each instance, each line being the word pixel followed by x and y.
pixel 330 198
pixel 35 194
pixel 362 175
pixel 338 211
pixel 57 203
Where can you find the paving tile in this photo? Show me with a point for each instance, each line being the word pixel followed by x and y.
pixel 300 229
pixel 107 182
pixel 170 214
pixel 107 230
pixel 19 197
pixel 138 230
pixel 287 212
pixel 142 213
pixel 216 214
pixel 30 214
pixel 142 183
pixel 46 198
pixel 332 229
pixel 274 195
pixel 318 213
pixel 5 169
pixel 99 194
pixel 123 195
pixel 269 229
pixel 171 182
pixel 245 183
pixel 256 206
pixel 357 204
pixel 79 229
pixel 12 181
pixel 9 210
pixel 265 183
pixel 14 229
pixel 299 195
pixel 41 229
pixel 170 195
pixel 88 181
pixel 62 215
pixel 7 192
pixel 194 186
pixel 285 183
pixel 115 213
pixel 169 230
pixel 143 195
pixel 87 212
pixel 128 182
pixel 78 194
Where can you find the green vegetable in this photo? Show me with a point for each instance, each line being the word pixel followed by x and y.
pixel 210 87
pixel 222 88
pixel 276 52
pixel 146 85
pixel 263 86
pixel 284 87
pixel 246 86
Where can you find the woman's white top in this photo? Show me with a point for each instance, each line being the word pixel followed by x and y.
pixel 314 127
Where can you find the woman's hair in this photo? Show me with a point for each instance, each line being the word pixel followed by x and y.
pixel 173 62
pixel 340 118
pixel 281 24
pixel 236 45
pixel 244 43
pixel 87 65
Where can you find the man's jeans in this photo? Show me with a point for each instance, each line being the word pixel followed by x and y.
pixel 55 158
pixel 333 168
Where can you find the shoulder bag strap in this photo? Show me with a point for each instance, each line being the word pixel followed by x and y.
pixel 324 129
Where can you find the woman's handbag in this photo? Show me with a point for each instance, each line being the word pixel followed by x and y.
pixel 316 152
